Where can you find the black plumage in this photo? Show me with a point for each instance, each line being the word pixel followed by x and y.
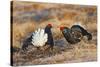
pixel 27 42
pixel 75 33
pixel 81 30
pixel 50 42
pixel 69 36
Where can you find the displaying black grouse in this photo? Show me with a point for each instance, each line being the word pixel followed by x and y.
pixel 40 38
pixel 69 36
pixel 77 28
pixel 75 34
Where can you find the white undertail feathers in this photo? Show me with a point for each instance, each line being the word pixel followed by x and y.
pixel 39 38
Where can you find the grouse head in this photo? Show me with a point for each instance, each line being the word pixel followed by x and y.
pixel 62 28
pixel 49 25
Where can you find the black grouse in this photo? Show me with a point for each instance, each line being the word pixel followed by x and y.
pixel 69 36
pixel 39 38
pixel 75 33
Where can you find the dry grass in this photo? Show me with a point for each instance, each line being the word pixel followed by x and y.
pixel 58 15
pixel 80 52
pixel 20 31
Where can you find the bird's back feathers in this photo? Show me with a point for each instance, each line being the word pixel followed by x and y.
pixel 81 30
